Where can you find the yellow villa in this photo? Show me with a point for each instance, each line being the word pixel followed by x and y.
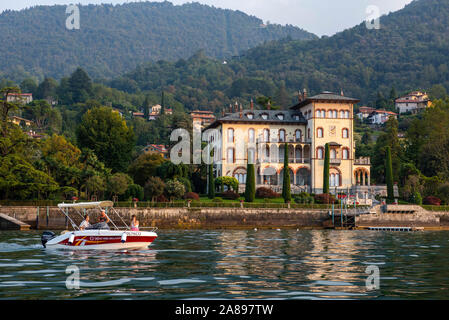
pixel 259 136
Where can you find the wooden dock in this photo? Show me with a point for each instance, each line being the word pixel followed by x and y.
pixel 407 229
pixel 9 223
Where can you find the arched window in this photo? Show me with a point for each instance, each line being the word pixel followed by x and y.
pixel 267 152
pixel 266 135
pixel 323 114
pixel 251 136
pixel 250 115
pixel 345 133
pixel 334 114
pixel 320 153
pixel 264 116
pixel 230 135
pixel 345 154
pixel 330 113
pixel 298 135
pixel 319 132
pixel 318 113
pixel 282 135
pixel 342 114
pixel 231 155
pixel 333 154
pixel 347 114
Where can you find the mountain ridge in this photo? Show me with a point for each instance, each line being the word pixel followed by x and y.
pixel 115 38
pixel 408 52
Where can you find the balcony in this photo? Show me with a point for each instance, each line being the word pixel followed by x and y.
pixel 363 161
pixel 335 161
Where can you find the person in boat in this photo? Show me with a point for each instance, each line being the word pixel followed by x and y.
pixel 85 224
pixel 102 222
pixel 103 217
pixel 134 223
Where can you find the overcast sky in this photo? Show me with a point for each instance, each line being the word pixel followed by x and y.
pixel 322 17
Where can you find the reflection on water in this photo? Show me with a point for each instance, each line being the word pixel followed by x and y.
pixel 208 264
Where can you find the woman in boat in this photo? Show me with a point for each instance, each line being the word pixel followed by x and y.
pixel 134 223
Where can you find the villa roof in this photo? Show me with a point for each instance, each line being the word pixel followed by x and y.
pixel 271 117
pixel 325 96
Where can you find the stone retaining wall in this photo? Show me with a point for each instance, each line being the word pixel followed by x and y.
pixel 216 218
pixel 184 218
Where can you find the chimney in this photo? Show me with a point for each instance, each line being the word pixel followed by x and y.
pixel 341 93
pixel 223 112
pixel 299 96
pixel 230 108
pixel 236 107
pixel 304 94
pixel 252 105
pixel 269 105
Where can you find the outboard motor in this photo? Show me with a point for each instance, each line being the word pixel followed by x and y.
pixel 47 236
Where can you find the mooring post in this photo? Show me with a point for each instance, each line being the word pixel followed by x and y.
pixel 333 221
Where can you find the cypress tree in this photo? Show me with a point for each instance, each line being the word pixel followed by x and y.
pixel 211 191
pixel 389 176
pixel 326 169
pixel 250 188
pixel 286 193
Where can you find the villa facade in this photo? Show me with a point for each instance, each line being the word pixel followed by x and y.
pixel 260 136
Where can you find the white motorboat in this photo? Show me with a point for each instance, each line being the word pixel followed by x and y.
pixel 100 236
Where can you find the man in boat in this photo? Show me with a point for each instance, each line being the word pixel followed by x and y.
pixel 103 217
pixel 85 224
pixel 102 221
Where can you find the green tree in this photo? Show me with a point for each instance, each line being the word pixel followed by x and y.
pixel 286 192
pixel 145 166
pixel 45 116
pixel 389 138
pixel 29 85
pixel 118 183
pixel 134 191
pixel 95 185
pixel 154 187
pixel 107 134
pixel 250 187
pixel 389 176
pixel 46 89
pixel 20 180
pixel 80 86
pixel 174 189
pixel 326 169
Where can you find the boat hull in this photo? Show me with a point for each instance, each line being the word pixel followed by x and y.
pixel 102 240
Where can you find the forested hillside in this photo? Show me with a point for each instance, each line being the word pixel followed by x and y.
pixel 409 52
pixel 115 38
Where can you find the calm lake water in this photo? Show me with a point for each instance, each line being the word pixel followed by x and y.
pixel 209 264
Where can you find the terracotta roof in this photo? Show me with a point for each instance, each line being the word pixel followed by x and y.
pixel 158 147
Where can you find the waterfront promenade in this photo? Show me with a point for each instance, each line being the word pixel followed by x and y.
pixel 49 217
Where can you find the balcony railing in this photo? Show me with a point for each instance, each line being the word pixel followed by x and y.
pixel 281 160
pixel 335 161
pixel 363 161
